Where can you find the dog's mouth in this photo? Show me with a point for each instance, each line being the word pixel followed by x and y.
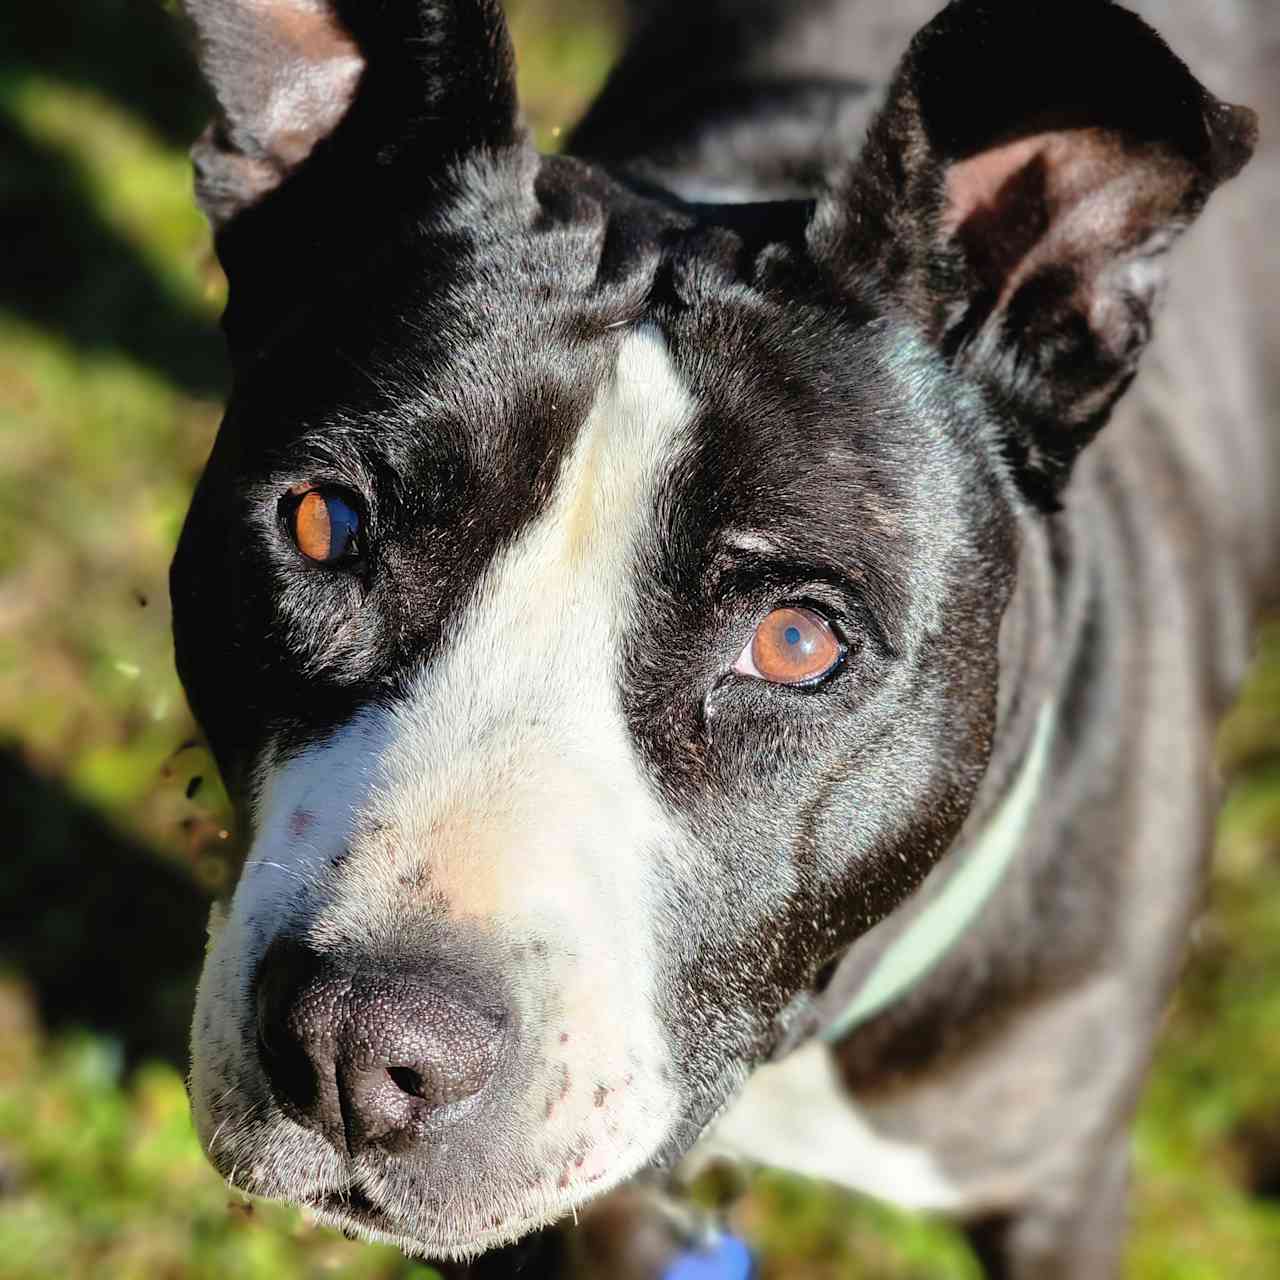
pixel 352 1211
pixel 351 1206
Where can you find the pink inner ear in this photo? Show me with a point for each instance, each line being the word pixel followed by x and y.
pixel 285 73
pixel 1075 197
pixel 1002 204
pixel 976 183
pixel 317 66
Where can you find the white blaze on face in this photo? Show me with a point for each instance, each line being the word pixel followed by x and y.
pixel 505 791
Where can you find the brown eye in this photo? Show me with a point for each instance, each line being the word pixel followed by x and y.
pixel 324 526
pixel 791 646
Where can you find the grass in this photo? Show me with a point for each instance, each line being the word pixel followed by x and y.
pixel 111 379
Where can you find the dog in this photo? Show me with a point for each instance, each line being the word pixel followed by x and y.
pixel 712 653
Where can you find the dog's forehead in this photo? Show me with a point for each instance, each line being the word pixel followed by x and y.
pixel 461 398
pixel 491 351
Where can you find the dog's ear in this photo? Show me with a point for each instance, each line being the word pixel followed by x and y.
pixel 330 113
pixel 1018 193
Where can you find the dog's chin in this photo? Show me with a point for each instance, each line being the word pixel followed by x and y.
pixel 360 1211
pixel 446 1215
pixel 358 1216
pixel 354 1214
pixel 357 1213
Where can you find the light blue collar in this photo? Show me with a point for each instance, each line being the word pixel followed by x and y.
pixel 941 922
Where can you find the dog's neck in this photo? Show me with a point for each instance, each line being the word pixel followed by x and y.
pixel 968 885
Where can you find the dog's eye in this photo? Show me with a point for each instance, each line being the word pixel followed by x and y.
pixel 791 646
pixel 324 526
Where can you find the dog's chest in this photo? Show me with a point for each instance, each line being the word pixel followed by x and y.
pixel 795 1115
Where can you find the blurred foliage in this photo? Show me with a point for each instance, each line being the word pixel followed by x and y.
pixel 111 378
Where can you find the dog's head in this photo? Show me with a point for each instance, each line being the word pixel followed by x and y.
pixel 593 600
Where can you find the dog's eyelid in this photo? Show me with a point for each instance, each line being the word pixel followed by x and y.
pixel 763 582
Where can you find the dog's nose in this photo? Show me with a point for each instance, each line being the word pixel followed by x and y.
pixel 368 1055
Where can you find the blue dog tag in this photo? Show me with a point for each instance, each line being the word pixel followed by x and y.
pixel 728 1258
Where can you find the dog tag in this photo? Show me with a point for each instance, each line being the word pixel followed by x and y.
pixel 726 1258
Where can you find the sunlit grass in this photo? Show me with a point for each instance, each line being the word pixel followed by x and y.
pixel 153 209
pixel 97 456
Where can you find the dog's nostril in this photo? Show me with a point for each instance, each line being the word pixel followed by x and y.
pixel 289 1067
pixel 408 1080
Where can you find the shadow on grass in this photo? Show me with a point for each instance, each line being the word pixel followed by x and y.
pixel 129 50
pixel 107 935
pixel 62 266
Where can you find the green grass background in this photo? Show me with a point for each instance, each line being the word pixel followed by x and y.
pixel 113 831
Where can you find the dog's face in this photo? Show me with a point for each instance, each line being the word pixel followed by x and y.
pixel 594 601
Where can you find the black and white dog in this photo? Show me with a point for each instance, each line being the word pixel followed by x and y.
pixel 687 688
